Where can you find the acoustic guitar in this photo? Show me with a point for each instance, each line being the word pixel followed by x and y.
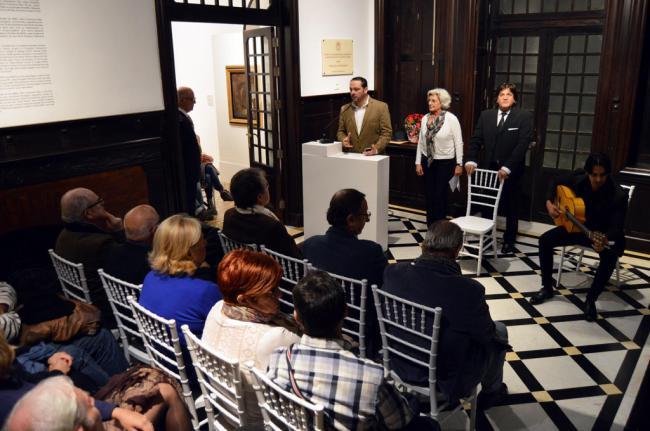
pixel 573 216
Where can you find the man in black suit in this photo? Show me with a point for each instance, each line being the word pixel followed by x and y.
pixel 472 346
pixel 502 135
pixel 129 261
pixel 190 147
pixel 605 207
pixel 340 251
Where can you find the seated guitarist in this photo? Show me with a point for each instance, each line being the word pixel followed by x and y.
pixel 605 208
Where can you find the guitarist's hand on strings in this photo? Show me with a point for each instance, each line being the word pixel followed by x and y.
pixel 599 241
pixel 553 210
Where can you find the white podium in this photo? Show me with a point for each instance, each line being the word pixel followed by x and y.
pixel 326 169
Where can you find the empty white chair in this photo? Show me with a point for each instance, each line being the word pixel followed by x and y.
pixel 117 292
pixel 229 245
pixel 575 253
pixel 397 317
pixel 283 410
pixel 160 338
pixel 484 190
pixel 221 384
pixel 72 278
pixel 293 270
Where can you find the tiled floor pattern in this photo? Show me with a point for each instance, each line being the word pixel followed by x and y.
pixel 564 372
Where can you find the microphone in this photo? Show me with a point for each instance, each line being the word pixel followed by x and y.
pixel 324 139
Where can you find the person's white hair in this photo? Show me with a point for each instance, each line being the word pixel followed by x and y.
pixel 443 96
pixel 74 202
pixel 50 406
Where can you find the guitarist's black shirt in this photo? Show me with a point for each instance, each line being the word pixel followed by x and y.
pixel 605 208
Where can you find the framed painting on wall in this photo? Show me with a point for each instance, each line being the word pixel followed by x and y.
pixel 237 97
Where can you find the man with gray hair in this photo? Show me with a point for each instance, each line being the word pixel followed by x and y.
pixel 472 346
pixel 128 261
pixel 55 404
pixel 89 233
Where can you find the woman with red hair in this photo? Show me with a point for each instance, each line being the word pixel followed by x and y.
pixel 247 324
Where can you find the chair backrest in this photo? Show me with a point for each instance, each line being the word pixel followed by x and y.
pixel 355 298
pixel 72 278
pixel 229 245
pixel 221 384
pixel 630 192
pixel 117 292
pixel 484 189
pixel 293 270
pixel 409 331
pixel 282 409
pixel 160 337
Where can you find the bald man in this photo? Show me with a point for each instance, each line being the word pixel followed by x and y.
pixel 89 233
pixel 129 261
pixel 189 147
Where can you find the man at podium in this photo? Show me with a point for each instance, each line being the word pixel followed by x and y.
pixel 364 124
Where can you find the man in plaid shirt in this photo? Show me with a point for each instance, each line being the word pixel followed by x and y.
pixel 319 369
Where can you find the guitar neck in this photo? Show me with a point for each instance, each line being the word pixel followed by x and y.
pixel 576 222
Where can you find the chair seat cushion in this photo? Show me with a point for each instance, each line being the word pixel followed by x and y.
pixel 472 224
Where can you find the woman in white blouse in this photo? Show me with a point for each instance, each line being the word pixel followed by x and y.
pixel 439 154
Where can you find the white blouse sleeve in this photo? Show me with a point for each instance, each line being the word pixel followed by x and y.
pixel 422 141
pixel 458 139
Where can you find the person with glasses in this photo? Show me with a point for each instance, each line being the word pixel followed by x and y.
pixel 341 252
pixel 89 233
pixel 605 207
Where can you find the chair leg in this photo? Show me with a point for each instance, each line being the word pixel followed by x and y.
pixel 494 241
pixel 582 254
pixel 480 255
pixel 559 270
pixel 474 407
pixel 618 272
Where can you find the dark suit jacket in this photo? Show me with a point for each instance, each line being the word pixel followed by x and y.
pixel 467 330
pixel 507 146
pixel 87 244
pixel 190 148
pixel 259 229
pixel 605 208
pixel 128 262
pixel 342 253
pixel 376 128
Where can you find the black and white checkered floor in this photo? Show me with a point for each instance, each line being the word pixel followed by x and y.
pixel 564 372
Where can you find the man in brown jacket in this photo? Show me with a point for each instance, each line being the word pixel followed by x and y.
pixel 364 124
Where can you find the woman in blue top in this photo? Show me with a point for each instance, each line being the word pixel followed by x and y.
pixel 174 288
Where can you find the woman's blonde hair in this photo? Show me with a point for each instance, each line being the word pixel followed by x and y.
pixel 171 245
pixel 443 96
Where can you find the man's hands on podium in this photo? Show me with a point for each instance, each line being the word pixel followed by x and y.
pixel 370 151
pixel 346 142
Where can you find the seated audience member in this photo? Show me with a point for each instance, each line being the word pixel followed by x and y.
pixel 142 389
pixel 341 252
pixel 352 390
pixel 250 221
pixel 472 346
pixel 173 289
pixel 130 261
pixel 247 324
pixel 89 232
pixel 15 383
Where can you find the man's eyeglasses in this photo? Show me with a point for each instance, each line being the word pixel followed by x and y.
pixel 366 215
pixel 100 201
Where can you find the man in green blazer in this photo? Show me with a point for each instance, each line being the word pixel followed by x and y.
pixel 364 124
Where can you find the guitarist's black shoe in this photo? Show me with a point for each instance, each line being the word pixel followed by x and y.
pixel 591 313
pixel 541 296
pixel 508 248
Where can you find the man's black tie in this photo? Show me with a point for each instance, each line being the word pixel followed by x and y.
pixel 502 120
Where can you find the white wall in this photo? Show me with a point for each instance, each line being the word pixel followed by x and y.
pixel 201 52
pixel 335 19
pixel 228 50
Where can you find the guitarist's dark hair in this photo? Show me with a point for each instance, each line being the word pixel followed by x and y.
pixel 598 159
